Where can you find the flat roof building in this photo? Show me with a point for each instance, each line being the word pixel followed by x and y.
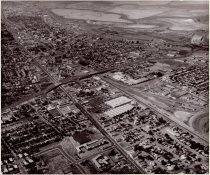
pixel 100 160
pixel 119 110
pixel 118 101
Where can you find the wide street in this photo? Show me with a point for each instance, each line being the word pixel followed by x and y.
pixel 98 126
pixel 57 84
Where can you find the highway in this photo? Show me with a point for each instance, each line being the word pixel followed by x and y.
pixel 141 98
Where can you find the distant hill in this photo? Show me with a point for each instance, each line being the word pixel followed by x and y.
pixel 202 19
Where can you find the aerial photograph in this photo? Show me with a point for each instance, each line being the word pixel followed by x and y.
pixel 105 87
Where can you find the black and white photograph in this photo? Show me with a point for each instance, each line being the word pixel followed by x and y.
pixel 105 87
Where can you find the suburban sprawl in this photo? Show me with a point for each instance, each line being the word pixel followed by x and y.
pixel 84 97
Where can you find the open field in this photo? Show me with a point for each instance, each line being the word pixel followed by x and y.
pixel 88 15
pixel 173 63
pixel 56 163
pixel 187 24
pixel 140 15
pixel 182 115
pixel 142 26
pixel 200 123
pixel 137 12
pixel 174 12
pixel 90 5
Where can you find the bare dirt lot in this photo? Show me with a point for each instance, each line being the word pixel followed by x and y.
pixel 200 123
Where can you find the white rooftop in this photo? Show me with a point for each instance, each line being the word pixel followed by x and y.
pixel 118 101
pixel 119 110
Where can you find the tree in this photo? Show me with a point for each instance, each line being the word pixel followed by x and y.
pixel 113 152
pixel 163 162
pixel 150 132
pixel 183 52
pixel 138 148
pixel 84 62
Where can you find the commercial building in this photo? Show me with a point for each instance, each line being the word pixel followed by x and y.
pixel 100 161
pixel 119 110
pixel 91 145
pixel 118 101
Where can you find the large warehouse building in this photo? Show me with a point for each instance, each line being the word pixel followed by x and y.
pixel 119 110
pixel 118 101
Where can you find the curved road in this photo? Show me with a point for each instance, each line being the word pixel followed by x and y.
pixel 199 122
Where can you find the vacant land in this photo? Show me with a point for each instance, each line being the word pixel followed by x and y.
pixel 88 15
pixel 200 123
pixel 142 26
pixel 182 115
pixel 137 12
pixel 56 163
pixel 186 24
pixel 169 14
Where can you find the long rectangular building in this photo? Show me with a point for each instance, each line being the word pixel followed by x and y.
pixel 119 110
pixel 118 101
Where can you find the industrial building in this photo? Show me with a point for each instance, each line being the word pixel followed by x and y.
pixel 119 110
pixel 118 101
